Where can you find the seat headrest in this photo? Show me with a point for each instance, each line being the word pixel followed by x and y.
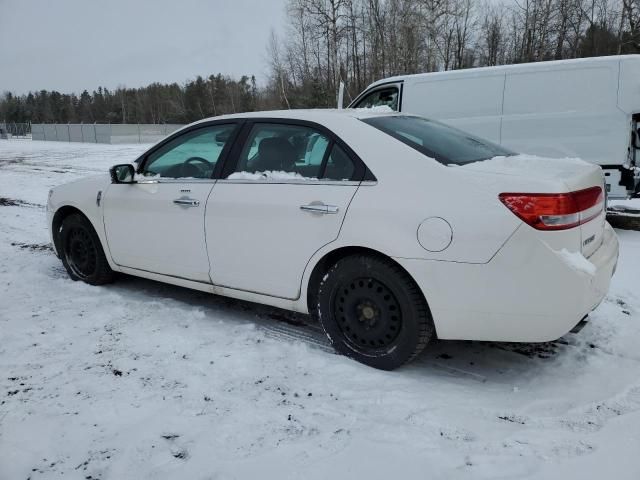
pixel 276 153
pixel 275 145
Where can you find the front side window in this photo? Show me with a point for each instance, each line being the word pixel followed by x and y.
pixel 386 97
pixel 192 155
pixel 446 144
pixel 289 152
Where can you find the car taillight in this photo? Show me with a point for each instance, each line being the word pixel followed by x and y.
pixel 556 211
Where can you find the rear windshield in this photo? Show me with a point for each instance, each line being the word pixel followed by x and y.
pixel 436 140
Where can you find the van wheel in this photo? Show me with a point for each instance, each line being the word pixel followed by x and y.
pixel 373 312
pixel 82 253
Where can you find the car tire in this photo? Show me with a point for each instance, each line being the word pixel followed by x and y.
pixel 373 312
pixel 81 251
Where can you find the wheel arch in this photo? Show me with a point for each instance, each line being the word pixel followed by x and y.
pixel 329 259
pixel 58 217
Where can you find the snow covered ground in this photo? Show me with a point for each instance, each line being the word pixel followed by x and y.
pixel 143 380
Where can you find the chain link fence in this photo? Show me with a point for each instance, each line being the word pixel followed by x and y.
pixel 102 132
pixel 13 129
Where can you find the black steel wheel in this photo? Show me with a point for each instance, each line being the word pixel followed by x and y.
pixel 81 252
pixel 374 312
pixel 368 314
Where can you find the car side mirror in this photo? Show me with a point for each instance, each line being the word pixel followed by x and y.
pixel 123 173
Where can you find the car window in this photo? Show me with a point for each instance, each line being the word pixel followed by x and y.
pixel 283 149
pixel 387 97
pixel 339 165
pixel 192 155
pixel 446 144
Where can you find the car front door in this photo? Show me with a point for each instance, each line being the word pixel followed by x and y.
pixel 284 198
pixel 157 224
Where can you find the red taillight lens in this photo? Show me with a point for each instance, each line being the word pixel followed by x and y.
pixel 556 211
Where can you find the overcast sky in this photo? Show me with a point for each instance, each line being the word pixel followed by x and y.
pixel 72 45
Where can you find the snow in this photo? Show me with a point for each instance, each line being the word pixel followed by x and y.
pixel 577 261
pixel 629 207
pixel 149 381
pixel 528 164
pixel 271 175
pixel 374 109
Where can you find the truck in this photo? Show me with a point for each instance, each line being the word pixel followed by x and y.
pixel 587 108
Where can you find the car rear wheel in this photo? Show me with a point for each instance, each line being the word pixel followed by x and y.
pixel 373 312
pixel 81 251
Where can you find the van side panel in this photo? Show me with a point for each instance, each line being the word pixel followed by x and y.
pixel 566 111
pixel 472 103
pixel 629 86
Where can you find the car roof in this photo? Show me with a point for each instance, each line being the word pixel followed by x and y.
pixel 317 115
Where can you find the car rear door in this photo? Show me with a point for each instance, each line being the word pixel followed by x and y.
pixel 284 197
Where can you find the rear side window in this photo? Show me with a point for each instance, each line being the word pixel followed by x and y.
pixel 339 166
pixel 292 151
pixel 385 97
pixel 446 144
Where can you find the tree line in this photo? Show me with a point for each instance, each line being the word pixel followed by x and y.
pixel 155 103
pixel 356 42
pixel 360 41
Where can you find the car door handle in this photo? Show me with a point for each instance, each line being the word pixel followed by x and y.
pixel 319 208
pixel 186 202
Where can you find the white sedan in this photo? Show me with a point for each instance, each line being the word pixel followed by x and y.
pixel 391 229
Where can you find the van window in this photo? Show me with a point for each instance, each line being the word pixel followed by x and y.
pixel 384 97
pixel 436 140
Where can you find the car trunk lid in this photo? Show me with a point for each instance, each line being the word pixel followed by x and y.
pixel 574 189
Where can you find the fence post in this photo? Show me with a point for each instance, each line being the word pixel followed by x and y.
pixel 139 140
pixel 69 130
pixel 95 133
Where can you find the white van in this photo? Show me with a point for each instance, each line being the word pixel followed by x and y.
pixel 587 108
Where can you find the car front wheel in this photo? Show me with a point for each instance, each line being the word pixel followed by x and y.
pixel 82 253
pixel 373 312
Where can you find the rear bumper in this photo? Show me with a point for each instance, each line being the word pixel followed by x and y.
pixel 526 293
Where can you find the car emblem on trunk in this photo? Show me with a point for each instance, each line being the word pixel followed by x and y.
pixel 588 240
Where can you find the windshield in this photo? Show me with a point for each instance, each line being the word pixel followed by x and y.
pixel 436 140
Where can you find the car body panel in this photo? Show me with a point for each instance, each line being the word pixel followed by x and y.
pixel 169 237
pixel 82 195
pixel 497 278
pixel 272 238
pixel 527 293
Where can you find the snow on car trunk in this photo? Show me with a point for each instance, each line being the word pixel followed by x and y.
pixel 573 196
